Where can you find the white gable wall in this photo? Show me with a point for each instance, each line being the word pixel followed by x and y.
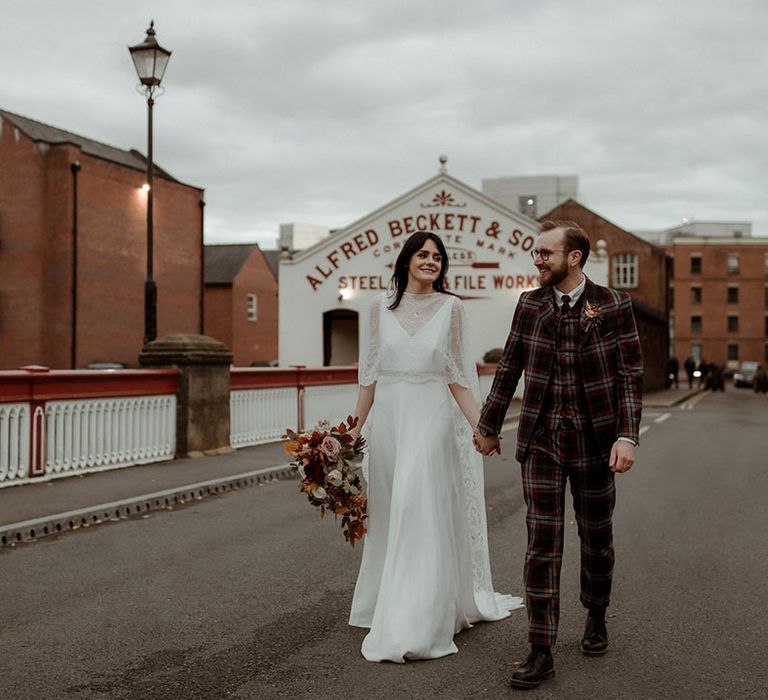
pixel 489 265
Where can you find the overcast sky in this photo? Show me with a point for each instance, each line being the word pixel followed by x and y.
pixel 320 111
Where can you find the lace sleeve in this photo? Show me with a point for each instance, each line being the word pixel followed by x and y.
pixel 461 368
pixel 369 361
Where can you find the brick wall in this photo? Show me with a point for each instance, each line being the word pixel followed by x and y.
pixel 254 340
pixel 218 313
pixel 36 262
pixel 22 248
pixel 714 308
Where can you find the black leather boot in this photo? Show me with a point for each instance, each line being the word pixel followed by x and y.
pixel 595 639
pixel 538 667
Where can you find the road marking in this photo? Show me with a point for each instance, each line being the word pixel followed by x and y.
pixel 662 418
pixel 688 405
pixel 644 429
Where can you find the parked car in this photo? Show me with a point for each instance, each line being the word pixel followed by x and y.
pixel 745 375
pixel 105 365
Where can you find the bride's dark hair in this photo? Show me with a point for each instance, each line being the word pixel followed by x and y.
pixel 412 246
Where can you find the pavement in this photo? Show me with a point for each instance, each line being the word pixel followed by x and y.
pixel 30 511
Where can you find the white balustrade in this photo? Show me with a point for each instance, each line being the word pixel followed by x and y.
pixel 331 402
pixel 88 435
pixel 14 443
pixel 261 415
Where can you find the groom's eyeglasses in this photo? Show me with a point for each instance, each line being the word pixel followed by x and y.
pixel 544 254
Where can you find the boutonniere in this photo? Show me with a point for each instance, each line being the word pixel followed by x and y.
pixel 591 316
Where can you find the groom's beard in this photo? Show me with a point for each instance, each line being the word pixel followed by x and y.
pixel 552 276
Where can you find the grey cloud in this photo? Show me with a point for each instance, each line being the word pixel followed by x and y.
pixel 321 111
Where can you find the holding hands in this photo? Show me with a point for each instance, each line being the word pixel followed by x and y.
pixel 486 445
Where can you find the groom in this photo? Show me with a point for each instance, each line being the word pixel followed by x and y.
pixel 578 346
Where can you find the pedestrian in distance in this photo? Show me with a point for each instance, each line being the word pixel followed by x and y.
pixel 716 377
pixel 578 345
pixel 704 368
pixel 672 370
pixel 425 572
pixel 760 382
pixel 690 368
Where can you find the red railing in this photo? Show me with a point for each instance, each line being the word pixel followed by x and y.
pixel 35 386
pixel 42 384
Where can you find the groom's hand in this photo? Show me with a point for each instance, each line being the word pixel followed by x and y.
pixel 486 444
pixel 622 456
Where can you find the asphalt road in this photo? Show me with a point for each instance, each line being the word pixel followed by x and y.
pixel 247 595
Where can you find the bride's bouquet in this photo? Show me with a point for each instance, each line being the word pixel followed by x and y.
pixel 328 461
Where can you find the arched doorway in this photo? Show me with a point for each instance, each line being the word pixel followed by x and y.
pixel 340 337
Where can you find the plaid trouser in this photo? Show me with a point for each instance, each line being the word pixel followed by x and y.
pixel 555 456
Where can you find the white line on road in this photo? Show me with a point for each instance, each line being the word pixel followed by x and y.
pixel 644 429
pixel 662 418
pixel 688 405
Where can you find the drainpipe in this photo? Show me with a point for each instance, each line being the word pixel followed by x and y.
pixel 75 169
pixel 202 267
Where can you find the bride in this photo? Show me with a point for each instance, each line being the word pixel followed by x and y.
pixel 425 572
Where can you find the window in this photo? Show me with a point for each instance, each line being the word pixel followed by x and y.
pixel 733 263
pixel 733 351
pixel 765 265
pixel 733 324
pixel 733 295
pixel 695 295
pixel 695 324
pixel 766 327
pixel 696 352
pixel 766 298
pixel 695 264
pixel 625 271
pixel 671 297
pixel 252 308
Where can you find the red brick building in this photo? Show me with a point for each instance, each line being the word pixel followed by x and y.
pixel 639 268
pixel 72 268
pixel 241 302
pixel 720 299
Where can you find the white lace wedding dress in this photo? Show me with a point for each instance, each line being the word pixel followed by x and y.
pixel 425 572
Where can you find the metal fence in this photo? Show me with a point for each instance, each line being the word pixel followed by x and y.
pixel 14 443
pixel 61 423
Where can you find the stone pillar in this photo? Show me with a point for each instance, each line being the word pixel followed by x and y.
pixel 202 400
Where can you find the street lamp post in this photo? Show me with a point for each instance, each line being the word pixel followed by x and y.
pixel 150 60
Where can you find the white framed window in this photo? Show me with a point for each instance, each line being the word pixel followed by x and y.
pixel 696 352
pixel 733 263
pixel 252 308
pixel 625 271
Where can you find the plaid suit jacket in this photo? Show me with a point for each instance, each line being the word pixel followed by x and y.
pixel 610 359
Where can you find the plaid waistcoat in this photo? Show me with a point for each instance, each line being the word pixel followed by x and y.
pixel 565 397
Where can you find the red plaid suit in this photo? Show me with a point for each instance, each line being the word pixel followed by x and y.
pixel 610 367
